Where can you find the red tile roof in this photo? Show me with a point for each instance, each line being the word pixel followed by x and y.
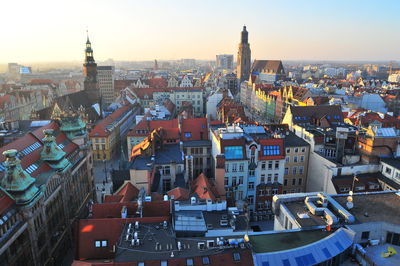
pixel 204 188
pixel 5 99
pixel 41 81
pixel 179 193
pixel 100 129
pixel 113 210
pixel 128 192
pixel 34 156
pixel 5 202
pixel 91 230
pixel 157 83
pixel 197 127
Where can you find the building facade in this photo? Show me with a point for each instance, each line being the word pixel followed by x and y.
pixel 105 76
pixel 48 173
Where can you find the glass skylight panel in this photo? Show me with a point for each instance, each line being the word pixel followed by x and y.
pixel 30 148
pixel 271 150
pixel 233 152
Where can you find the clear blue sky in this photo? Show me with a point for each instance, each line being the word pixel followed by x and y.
pixel 48 30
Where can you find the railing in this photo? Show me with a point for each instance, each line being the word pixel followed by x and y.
pixel 363 257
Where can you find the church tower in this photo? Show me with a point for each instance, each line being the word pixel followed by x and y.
pixel 243 57
pixel 91 86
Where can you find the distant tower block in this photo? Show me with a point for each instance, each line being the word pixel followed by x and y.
pixel 155 64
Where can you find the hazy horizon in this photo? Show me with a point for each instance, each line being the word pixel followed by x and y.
pixel 49 31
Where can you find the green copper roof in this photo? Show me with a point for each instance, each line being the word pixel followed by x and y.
pixel 72 126
pixel 51 152
pixel 16 181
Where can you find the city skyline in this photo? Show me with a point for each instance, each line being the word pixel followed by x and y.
pixel 135 30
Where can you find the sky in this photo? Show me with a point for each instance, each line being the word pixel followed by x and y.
pixel 54 31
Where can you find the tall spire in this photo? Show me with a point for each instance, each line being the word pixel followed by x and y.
pixel 87 35
pixel 88 51
pixel 244 36
pixel 244 57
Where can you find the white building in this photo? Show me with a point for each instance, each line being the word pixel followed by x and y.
pixel 224 61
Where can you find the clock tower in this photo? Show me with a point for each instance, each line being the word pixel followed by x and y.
pixel 91 86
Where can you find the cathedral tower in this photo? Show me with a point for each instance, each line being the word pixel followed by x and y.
pixel 243 57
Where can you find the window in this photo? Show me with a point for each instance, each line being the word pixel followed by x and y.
pixel 365 235
pixel 227 168
pixel 269 178
pixel 388 170
pixel 263 164
pixel 274 191
pixel 295 159
pixel 285 182
pixel 189 262
pixel 241 167
pixel 233 181
pixel 286 170
pixel 288 159
pixel 251 172
pixel 287 150
pixel 164 263
pixel 100 243
pixel 293 181
pixel 234 167
pixel 294 169
pixel 251 186
pixel 301 170
pixel 269 165
pixel 303 149
pixel 236 256
pixel 276 164
pixel 166 170
pixel 233 152
pixel 188 134
pixel 275 177
pixel 397 176
pixel 344 189
pixel 240 180
pixel 226 181
pixel 296 150
pixel 302 158
pixel 262 179
pixel 251 199
pixel 300 181
pixel 271 150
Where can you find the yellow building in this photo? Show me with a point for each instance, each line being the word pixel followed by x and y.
pixel 105 136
